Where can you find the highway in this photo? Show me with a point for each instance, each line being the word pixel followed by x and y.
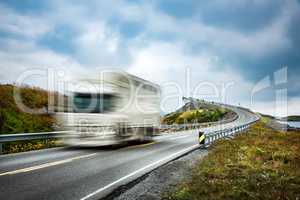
pixel 66 173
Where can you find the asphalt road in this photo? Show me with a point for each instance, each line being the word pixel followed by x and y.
pixel 65 173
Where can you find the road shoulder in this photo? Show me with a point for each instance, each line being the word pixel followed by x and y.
pixel 165 178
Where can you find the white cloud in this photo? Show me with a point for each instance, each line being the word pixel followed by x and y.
pixel 278 109
pixel 193 75
pixel 273 37
pixel 97 44
pixel 22 25
pixel 19 58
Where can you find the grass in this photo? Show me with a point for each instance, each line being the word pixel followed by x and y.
pixel 195 116
pixel 260 164
pixel 14 120
pixel 22 146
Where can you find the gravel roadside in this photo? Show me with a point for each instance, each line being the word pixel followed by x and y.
pixel 165 178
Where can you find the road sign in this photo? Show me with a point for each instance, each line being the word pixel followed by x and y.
pixel 201 138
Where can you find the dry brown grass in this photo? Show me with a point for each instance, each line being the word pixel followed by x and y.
pixel 259 164
pixel 14 120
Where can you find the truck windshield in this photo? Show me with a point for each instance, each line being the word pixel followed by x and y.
pixel 93 103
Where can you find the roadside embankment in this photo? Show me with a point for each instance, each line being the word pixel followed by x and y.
pixel 261 164
pixel 153 185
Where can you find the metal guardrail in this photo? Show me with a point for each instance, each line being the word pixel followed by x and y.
pixel 165 127
pixel 63 134
pixel 206 139
pixel 30 136
pixel 228 132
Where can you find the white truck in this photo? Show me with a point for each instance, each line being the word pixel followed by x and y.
pixel 111 108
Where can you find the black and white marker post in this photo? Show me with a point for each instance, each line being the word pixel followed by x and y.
pixel 201 138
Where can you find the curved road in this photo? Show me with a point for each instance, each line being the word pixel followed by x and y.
pixel 64 173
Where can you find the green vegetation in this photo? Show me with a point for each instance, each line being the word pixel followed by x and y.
pixel 195 116
pixel 260 164
pixel 21 146
pixel 291 118
pixel 13 120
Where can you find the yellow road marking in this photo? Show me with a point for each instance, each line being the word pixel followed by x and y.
pixel 140 145
pixel 28 169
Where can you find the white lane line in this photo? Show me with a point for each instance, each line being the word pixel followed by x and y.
pixel 140 170
pixel 28 169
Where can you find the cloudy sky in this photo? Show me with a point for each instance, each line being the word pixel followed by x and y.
pixel 221 50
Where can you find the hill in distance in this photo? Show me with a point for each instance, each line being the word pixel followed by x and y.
pixel 291 118
pixel 198 112
pixel 14 120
